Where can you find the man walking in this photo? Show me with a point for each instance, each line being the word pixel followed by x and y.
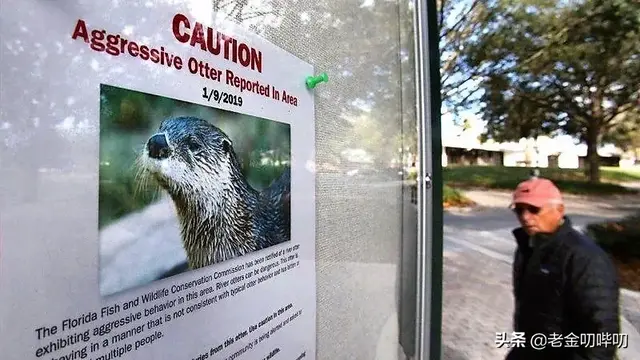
pixel 565 286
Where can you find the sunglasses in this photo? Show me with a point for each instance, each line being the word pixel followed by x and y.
pixel 520 209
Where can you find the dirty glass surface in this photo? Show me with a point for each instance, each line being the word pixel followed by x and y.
pixel 367 106
pixel 366 297
pixel 365 135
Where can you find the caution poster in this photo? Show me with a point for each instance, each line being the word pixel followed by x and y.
pixel 157 186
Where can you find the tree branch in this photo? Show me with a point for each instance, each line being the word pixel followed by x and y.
pixel 443 4
pixel 463 19
pixel 620 109
pixel 577 110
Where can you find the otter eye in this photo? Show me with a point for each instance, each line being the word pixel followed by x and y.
pixel 193 144
pixel 226 145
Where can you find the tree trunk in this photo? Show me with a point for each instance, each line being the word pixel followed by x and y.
pixel 593 135
pixel 593 159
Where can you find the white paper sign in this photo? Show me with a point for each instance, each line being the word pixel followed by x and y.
pixel 157 193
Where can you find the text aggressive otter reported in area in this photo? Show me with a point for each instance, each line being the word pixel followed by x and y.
pixel 182 208
pixel 211 42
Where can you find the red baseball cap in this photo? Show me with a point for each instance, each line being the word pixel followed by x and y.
pixel 537 192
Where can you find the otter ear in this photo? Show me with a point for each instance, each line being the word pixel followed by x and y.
pixel 226 146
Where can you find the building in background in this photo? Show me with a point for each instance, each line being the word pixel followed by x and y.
pixel 544 152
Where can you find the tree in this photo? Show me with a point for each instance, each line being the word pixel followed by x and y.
pixel 570 66
pixel 458 22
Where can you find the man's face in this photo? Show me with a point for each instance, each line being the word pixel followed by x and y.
pixel 535 220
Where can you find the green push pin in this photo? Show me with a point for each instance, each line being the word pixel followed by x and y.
pixel 312 81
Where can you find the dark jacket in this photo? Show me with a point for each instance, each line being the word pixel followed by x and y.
pixel 564 284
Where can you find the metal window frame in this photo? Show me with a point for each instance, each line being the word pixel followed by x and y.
pixel 430 212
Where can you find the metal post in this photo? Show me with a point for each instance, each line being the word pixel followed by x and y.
pixel 429 249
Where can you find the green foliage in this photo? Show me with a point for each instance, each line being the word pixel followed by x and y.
pixel 626 134
pixel 620 174
pixel 619 238
pixel 552 66
pixel 507 178
pixel 128 118
pixel 124 111
pixel 453 197
pixel 120 193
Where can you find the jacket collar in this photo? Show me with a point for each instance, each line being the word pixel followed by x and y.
pixel 522 238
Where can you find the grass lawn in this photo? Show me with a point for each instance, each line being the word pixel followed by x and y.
pixel 621 239
pixel 450 197
pixel 568 180
pixel 622 175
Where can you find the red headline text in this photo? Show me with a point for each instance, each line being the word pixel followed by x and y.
pixel 197 36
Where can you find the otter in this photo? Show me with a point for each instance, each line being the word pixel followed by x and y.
pixel 221 215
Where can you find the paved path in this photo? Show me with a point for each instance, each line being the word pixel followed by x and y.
pixel 478 303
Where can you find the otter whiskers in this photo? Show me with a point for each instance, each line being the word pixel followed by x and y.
pixel 221 216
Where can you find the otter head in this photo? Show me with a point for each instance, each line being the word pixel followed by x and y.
pixel 191 159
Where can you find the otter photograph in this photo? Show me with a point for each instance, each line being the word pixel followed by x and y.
pixel 183 186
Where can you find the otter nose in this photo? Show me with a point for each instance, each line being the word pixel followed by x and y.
pixel 158 147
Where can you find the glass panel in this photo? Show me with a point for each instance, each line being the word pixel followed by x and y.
pixel 366 144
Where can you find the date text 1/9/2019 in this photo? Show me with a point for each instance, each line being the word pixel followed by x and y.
pixel 221 97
